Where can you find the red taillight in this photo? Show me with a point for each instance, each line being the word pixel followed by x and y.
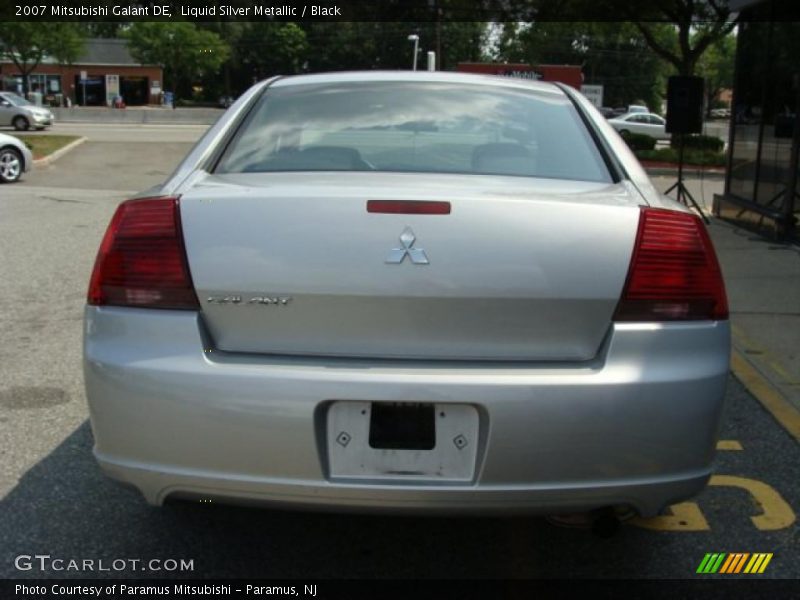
pixel 142 260
pixel 408 207
pixel 674 274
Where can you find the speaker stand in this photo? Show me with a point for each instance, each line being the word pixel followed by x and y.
pixel 683 195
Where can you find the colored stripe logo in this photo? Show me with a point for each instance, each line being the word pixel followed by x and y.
pixel 734 563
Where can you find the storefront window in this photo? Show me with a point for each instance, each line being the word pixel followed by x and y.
pixel 748 110
pixel 47 85
pixel 767 103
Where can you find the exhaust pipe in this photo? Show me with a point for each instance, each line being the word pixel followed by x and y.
pixel 605 522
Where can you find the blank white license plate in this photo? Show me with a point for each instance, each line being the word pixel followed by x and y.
pixel 398 441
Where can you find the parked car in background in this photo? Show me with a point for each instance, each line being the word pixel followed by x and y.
pixel 21 114
pixel 15 158
pixel 225 101
pixel 720 113
pixel 625 110
pixel 411 292
pixel 607 112
pixel 642 123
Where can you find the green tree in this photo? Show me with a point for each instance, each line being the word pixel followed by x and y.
pixel 230 32
pixel 385 45
pixel 716 66
pixel 185 51
pixel 459 42
pixel 613 54
pixel 26 44
pixel 697 24
pixel 271 48
pixel 104 29
pixel 335 46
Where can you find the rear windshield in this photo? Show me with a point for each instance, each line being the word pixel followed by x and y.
pixel 415 127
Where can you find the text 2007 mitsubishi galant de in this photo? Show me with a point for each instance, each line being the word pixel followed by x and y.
pixel 408 292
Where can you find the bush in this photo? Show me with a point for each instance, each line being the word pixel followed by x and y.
pixel 638 141
pixel 708 143
pixel 690 157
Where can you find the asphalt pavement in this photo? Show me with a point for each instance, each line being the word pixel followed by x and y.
pixel 54 500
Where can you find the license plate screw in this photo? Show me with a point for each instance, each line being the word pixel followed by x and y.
pixel 343 439
pixel 460 441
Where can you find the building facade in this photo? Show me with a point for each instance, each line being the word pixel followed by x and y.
pixel 109 71
pixel 762 183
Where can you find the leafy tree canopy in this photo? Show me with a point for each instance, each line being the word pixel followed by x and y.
pixel 26 44
pixel 185 51
pixel 697 24
pixel 613 54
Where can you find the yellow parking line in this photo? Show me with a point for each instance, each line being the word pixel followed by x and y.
pixel 780 408
pixel 776 512
pixel 685 516
pixel 729 445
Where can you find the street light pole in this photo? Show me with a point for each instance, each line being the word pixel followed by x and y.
pixel 414 38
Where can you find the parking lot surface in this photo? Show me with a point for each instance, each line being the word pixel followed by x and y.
pixel 55 501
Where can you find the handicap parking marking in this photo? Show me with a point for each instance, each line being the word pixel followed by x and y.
pixel 729 445
pixel 685 516
pixel 775 513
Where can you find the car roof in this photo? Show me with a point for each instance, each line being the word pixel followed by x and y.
pixel 542 87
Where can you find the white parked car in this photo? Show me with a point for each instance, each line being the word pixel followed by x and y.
pixel 642 123
pixel 15 158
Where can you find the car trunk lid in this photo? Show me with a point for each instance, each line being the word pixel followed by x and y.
pixel 520 268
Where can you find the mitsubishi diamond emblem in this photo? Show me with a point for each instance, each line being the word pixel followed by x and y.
pixel 398 255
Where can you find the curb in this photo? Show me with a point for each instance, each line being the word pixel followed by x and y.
pixel 139 116
pixel 781 409
pixel 43 162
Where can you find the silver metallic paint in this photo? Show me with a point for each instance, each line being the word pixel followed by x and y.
pixel 634 422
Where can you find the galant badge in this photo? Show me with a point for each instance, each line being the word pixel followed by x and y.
pixel 398 255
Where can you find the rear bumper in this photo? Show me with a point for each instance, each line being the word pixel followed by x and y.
pixel 636 426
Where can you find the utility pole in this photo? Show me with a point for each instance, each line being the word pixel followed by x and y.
pixel 438 32
pixel 414 38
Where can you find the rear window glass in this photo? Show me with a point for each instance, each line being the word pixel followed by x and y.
pixel 415 127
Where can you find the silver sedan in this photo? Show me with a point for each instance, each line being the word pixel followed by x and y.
pixel 408 292
pixel 21 114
